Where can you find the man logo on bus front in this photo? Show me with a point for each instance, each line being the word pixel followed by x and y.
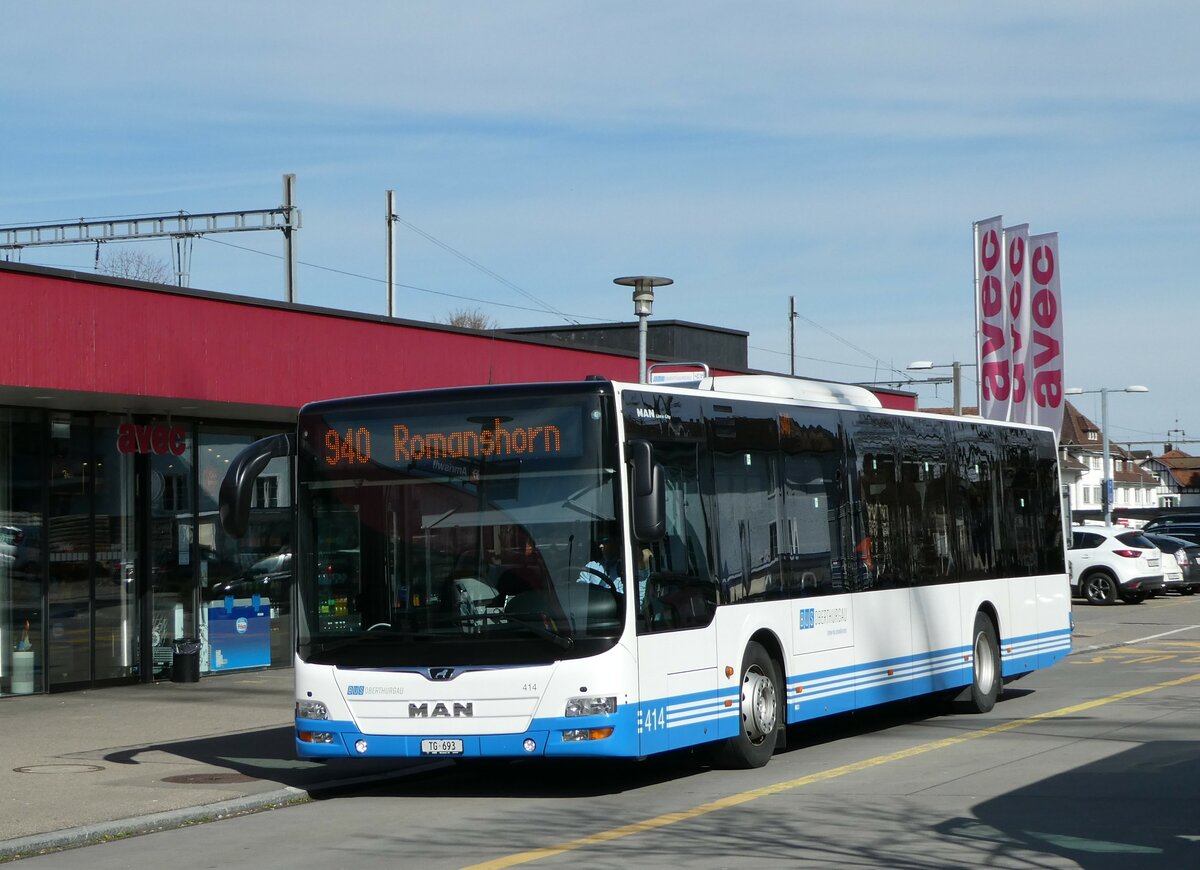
pixel 441 673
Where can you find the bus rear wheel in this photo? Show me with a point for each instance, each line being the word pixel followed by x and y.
pixel 986 675
pixel 759 718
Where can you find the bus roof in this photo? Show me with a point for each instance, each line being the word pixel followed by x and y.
pixel 799 389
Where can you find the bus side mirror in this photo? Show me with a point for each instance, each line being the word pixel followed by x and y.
pixel 237 489
pixel 649 493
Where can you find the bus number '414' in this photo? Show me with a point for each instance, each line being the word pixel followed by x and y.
pixel 654 719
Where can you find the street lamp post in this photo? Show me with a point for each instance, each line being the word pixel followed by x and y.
pixel 1107 486
pixel 643 302
pixel 924 365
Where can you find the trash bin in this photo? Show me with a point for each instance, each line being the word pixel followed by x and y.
pixel 185 660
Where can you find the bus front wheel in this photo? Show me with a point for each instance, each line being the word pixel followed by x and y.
pixel 986 676
pixel 759 713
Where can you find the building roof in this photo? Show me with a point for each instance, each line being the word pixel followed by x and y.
pixel 1070 463
pixel 1077 429
pixel 1183 468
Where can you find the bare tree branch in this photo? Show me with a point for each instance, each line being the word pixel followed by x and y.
pixel 471 318
pixel 136 266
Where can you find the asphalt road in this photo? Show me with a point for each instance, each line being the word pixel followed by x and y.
pixel 1094 763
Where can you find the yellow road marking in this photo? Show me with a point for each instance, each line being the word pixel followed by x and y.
pixel 1144 654
pixel 821 776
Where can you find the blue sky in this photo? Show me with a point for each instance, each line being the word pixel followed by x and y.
pixel 835 152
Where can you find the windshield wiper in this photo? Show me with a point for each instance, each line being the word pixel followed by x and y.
pixel 329 646
pixel 560 640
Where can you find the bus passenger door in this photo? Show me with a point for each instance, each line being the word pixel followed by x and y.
pixel 677 597
pixel 883 649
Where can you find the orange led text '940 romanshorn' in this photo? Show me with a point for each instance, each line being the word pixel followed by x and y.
pixel 467 443
pixel 353 447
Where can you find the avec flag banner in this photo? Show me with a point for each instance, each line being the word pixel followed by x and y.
pixel 1019 322
pixel 1046 348
pixel 995 357
pixel 1016 283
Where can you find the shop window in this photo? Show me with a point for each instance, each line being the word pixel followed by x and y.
pixel 22 644
pixel 175 492
pixel 266 492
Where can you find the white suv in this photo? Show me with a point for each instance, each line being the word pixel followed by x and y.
pixel 1108 563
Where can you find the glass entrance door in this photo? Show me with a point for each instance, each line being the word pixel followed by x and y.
pixel 115 602
pixel 69 542
pixel 92 613
pixel 173 554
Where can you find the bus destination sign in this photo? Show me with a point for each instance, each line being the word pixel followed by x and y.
pixel 408 440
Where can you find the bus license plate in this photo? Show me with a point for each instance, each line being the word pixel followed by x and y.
pixel 441 747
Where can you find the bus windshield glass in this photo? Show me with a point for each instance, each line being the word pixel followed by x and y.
pixel 467 526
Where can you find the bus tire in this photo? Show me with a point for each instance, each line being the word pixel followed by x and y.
pixel 986 675
pixel 761 709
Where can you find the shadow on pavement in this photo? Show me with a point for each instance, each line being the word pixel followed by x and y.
pixel 1136 808
pixel 268 755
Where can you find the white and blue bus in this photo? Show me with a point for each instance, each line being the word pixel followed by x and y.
pixel 617 570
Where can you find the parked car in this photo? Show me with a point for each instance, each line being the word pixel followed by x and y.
pixel 1108 563
pixel 1186 526
pixel 270 577
pixel 1186 556
pixel 21 548
pixel 9 536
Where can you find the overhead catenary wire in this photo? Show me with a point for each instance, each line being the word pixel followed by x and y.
pixel 543 306
pixel 99 217
pixel 428 290
pixel 854 347
pixel 477 265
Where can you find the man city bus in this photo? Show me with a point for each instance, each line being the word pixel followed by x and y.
pixel 617 570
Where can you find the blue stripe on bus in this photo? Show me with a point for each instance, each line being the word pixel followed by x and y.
pixel 841 689
pixel 1031 652
pixel 547 735
pixel 686 720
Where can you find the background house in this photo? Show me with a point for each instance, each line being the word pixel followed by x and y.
pixel 1178 475
pixel 1081 464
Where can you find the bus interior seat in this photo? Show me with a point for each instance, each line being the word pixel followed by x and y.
pixel 677 601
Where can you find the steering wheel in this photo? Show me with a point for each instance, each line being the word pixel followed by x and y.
pixel 379 625
pixel 605 580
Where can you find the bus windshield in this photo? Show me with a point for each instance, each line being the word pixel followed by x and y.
pixel 468 527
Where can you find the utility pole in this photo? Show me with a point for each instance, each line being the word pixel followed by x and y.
pixel 291 221
pixel 391 253
pixel 792 331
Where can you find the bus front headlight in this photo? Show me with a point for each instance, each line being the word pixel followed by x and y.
pixel 592 706
pixel 311 710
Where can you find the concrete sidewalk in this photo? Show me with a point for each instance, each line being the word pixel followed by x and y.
pixel 82 766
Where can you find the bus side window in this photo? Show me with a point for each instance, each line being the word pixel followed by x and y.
pixel 813 508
